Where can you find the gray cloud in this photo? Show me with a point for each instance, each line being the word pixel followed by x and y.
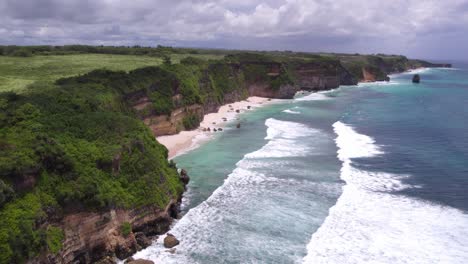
pixel 398 26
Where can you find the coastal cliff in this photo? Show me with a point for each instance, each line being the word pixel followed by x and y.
pixel 82 178
pixel 242 75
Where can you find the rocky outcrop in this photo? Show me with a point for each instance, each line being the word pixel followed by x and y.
pixel 173 123
pixel 140 261
pixel 98 237
pixel 92 236
pixel 416 78
pixel 170 241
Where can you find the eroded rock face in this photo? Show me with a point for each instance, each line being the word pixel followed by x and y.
pixel 171 124
pixel 91 237
pixel 263 90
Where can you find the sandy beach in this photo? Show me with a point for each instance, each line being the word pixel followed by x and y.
pixel 187 140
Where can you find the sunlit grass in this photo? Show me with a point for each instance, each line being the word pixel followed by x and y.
pixel 18 73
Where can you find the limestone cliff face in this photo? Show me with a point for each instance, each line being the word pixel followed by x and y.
pixel 173 123
pixel 368 75
pixel 313 76
pixel 322 76
pixel 91 236
pixel 263 90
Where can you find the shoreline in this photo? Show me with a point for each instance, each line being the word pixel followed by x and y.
pixel 184 141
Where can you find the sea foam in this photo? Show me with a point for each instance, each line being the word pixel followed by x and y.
pixel 260 210
pixel 290 111
pixel 314 96
pixel 369 224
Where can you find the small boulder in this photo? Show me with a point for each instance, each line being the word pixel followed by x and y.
pixel 416 78
pixel 237 111
pixel 238 125
pixel 220 129
pixel 214 123
pixel 141 261
pixel 248 107
pixel 214 129
pixel 170 241
pixel 208 129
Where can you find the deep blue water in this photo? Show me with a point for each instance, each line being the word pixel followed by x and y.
pixel 424 132
pixel 374 173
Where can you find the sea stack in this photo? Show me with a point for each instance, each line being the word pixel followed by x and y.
pixel 416 78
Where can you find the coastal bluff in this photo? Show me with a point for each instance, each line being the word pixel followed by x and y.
pixel 243 75
pixel 82 177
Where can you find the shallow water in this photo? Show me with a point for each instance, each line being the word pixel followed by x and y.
pixel 375 173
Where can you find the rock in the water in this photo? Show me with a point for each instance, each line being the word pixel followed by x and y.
pixel 237 111
pixel 387 79
pixel 220 129
pixel 141 261
pixel 416 78
pixel 238 125
pixel 184 178
pixel 248 107
pixel 170 241
pixel 214 129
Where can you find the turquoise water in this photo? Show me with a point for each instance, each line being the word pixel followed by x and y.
pixel 375 173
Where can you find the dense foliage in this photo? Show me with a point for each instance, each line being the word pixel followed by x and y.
pixel 73 147
pixel 159 51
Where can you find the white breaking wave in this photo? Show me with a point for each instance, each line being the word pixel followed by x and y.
pixel 370 225
pixel 314 96
pixel 289 111
pixel 228 227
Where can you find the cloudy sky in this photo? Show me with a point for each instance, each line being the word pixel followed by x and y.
pixel 435 29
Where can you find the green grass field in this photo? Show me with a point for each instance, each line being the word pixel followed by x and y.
pixel 17 73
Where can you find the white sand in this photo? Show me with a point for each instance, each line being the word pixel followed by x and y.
pixel 187 140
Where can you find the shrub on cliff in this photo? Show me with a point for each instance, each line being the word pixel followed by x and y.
pixel 191 121
pixel 126 229
pixel 57 153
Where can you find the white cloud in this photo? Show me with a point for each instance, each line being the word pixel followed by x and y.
pixel 215 20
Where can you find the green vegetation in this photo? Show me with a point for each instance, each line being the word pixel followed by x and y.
pixel 17 73
pixel 126 229
pixel 54 239
pixel 71 138
pixel 76 145
pixel 191 121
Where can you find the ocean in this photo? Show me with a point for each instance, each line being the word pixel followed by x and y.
pixel 373 173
